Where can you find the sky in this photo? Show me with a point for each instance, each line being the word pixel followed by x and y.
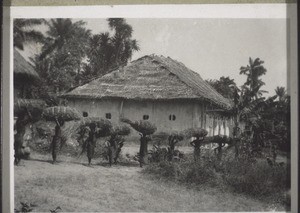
pixel 213 47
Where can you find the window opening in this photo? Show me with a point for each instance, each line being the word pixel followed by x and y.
pixel 172 117
pixel 108 115
pixel 145 117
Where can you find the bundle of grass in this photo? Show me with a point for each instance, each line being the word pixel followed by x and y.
pixel 27 111
pixel 60 115
pixel 116 142
pixel 92 128
pixel 199 134
pixel 145 129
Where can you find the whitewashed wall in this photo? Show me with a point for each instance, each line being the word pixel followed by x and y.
pixel 188 113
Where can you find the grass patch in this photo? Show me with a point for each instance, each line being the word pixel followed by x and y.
pixel 78 188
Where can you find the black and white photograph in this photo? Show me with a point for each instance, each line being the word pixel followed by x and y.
pixel 150 114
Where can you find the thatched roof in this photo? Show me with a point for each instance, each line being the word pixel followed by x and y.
pixel 151 78
pixel 22 68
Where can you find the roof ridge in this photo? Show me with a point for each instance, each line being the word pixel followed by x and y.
pixel 206 85
pixel 165 65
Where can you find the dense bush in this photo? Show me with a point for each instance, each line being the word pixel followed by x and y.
pixel 257 179
pixel 187 171
pixel 254 178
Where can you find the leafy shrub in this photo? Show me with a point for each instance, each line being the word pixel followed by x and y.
pixel 257 179
pixel 158 154
pixel 25 207
pixel 186 171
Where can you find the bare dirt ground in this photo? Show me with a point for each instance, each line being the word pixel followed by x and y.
pixel 75 187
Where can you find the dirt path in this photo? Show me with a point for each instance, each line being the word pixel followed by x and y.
pixel 76 187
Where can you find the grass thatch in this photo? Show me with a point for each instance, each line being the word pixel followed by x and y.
pixel 151 78
pixel 22 69
pixel 61 113
pixel 32 107
pixel 21 104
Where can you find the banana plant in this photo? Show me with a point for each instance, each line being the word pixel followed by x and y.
pixel 244 109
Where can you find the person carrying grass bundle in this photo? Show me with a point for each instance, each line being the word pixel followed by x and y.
pixel 196 144
pixel 21 123
pixel 88 137
pixel 116 142
pixel 92 128
pixel 27 111
pixel 145 129
pixel 199 134
pixel 60 115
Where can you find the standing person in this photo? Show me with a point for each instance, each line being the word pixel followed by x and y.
pixel 236 140
pixel 120 144
pixel 82 139
pixel 196 144
pixel 112 149
pixel 144 149
pixel 57 139
pixel 21 123
pixel 91 142
pixel 172 142
pixel 221 143
pixel 274 152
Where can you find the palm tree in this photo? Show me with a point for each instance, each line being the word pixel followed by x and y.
pixel 254 71
pixel 62 54
pixel 223 86
pixel 123 45
pixel 63 31
pixel 23 32
pixel 107 52
pixel 281 93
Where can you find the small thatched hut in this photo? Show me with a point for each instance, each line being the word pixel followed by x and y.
pixel 153 88
pixel 24 75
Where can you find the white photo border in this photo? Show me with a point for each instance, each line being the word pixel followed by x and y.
pixel 238 11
